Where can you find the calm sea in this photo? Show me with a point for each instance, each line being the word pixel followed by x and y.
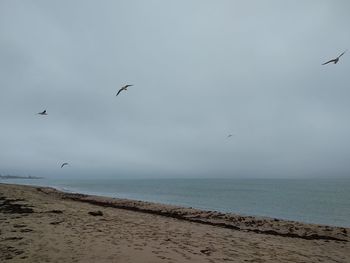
pixel 322 201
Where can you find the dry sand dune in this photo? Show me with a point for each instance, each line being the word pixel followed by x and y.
pixel 44 225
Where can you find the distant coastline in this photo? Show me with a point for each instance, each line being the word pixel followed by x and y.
pixel 19 177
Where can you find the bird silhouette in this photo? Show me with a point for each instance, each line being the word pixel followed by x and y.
pixel 63 164
pixel 124 88
pixel 230 135
pixel 42 113
pixel 335 60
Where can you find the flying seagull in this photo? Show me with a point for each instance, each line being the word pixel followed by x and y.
pixel 124 88
pixel 63 164
pixel 43 113
pixel 335 60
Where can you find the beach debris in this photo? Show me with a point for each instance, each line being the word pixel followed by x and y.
pixel 19 225
pixel 124 88
pixel 13 238
pixel 259 225
pixel 8 206
pixel 26 230
pixel 335 60
pixel 206 251
pixel 96 213
pixel 57 222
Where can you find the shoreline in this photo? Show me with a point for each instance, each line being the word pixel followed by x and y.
pixel 324 216
pixel 255 224
pixel 42 224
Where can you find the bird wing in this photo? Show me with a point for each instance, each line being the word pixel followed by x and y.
pixel 120 91
pixel 342 54
pixel 64 164
pixel 332 60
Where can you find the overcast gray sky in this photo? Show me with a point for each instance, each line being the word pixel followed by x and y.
pixel 201 70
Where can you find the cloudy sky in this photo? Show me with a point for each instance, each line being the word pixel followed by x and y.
pixel 201 70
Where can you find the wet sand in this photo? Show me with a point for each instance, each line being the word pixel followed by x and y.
pixel 44 225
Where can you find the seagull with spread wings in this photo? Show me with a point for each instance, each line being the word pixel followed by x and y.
pixel 124 88
pixel 335 60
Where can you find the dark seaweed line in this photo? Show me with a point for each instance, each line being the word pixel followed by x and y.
pixel 198 220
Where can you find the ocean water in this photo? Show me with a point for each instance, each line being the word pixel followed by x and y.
pixel 321 201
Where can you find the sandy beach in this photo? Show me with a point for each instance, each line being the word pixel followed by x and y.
pixel 44 225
